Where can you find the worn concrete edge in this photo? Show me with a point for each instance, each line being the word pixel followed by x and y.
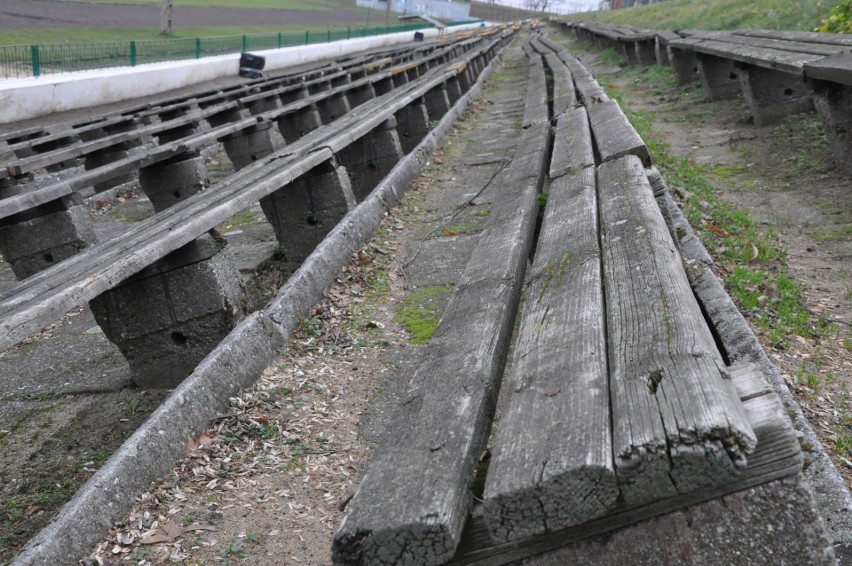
pixel 833 499
pixel 236 363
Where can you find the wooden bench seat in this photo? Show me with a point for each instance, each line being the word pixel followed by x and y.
pixel 619 405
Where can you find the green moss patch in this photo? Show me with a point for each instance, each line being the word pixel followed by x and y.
pixel 421 311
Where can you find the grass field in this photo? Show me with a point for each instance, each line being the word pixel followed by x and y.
pixel 322 5
pixel 721 14
pixel 91 35
pixel 25 36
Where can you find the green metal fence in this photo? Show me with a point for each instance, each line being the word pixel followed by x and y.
pixel 37 60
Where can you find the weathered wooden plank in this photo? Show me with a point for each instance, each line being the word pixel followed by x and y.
pixel 552 461
pixel 588 89
pixel 564 96
pixel 824 49
pixel 413 501
pixel 836 69
pixel 786 61
pixel 806 36
pixel 614 135
pixel 776 456
pixel 677 422
pixel 572 145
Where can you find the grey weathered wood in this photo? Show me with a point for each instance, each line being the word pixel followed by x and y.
pixel 572 144
pixel 552 465
pixel 824 49
pixel 588 89
pixel 413 501
pixel 677 422
pixel 836 69
pixel 786 61
pixel 46 296
pixel 564 96
pixel 805 36
pixel 777 455
pixel 615 136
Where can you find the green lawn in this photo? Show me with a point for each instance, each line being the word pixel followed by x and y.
pixel 322 5
pixel 43 37
pixel 721 14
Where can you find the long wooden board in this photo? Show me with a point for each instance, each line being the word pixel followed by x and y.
pixel 678 424
pixel 552 461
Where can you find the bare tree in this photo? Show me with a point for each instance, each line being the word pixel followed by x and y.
pixel 166 18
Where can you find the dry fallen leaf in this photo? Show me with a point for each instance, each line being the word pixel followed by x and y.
pixel 716 230
pixel 754 252
pixel 449 232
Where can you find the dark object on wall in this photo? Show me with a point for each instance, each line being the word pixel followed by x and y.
pixel 418 36
pixel 251 65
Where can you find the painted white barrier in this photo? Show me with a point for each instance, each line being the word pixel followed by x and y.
pixel 38 96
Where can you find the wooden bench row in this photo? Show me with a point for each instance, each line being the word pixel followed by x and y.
pixel 620 405
pixel 186 114
pixel 26 141
pixel 778 72
pixel 168 163
pixel 367 138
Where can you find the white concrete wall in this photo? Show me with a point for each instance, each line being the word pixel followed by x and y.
pixel 39 96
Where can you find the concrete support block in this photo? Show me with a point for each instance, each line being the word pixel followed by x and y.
pixel 42 237
pixel 333 107
pixel 340 80
pixel 773 95
pixel 170 182
pixel 303 212
pixel 684 65
pixel 720 77
pixel 371 158
pixel 464 81
pixel 359 95
pixel 454 91
pixel 291 95
pixel 646 52
pixel 105 156
pixel 383 86
pixel 628 49
pixel 412 125
pixel 437 102
pixel 833 103
pixel 247 146
pixel 319 86
pixel 661 52
pixel 271 102
pixel 190 129
pixel 775 523
pixel 166 319
pixel 296 124
pixel 400 79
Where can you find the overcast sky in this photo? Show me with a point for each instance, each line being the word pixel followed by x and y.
pixel 568 5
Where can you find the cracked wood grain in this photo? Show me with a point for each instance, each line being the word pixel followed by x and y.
pixel 678 424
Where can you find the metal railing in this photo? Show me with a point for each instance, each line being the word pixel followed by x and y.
pixel 37 60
